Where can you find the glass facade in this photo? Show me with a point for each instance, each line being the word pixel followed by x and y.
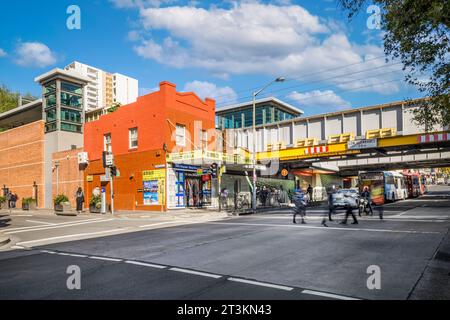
pixel 71 106
pixel 242 118
pixel 69 111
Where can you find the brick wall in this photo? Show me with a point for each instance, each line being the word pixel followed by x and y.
pixel 71 175
pixel 22 160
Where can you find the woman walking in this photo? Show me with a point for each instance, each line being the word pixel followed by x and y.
pixel 79 197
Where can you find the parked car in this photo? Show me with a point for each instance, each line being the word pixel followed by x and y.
pixel 345 198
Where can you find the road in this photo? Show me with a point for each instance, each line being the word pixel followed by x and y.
pixel 261 256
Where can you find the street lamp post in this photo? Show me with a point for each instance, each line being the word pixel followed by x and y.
pixel 280 79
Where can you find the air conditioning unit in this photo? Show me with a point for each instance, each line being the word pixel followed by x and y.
pixel 83 158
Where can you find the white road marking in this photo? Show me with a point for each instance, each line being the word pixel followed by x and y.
pixel 77 255
pixel 21 215
pixel 42 222
pixel 198 273
pixel 322 228
pixel 328 295
pixel 47 251
pixel 57 226
pixel 374 218
pixel 157 224
pixel 69 236
pixel 104 258
pixel 145 264
pixel 262 284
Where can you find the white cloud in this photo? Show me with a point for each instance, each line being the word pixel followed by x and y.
pixel 209 90
pixel 140 3
pixel 256 38
pixel 326 99
pixel 34 54
pixel 2 53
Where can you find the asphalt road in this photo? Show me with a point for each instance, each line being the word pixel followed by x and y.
pixel 261 256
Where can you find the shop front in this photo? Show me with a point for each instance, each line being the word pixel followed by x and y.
pixel 189 186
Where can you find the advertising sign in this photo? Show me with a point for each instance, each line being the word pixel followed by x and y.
pixel 362 144
pixel 154 187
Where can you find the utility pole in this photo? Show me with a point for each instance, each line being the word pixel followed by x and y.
pixel 111 181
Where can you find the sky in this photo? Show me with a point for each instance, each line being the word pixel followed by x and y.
pixel 224 50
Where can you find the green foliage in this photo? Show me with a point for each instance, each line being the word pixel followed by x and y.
pixel 114 107
pixel 417 32
pixel 96 201
pixel 8 99
pixel 2 199
pixel 61 198
pixel 28 200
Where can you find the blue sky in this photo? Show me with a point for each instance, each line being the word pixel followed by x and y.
pixel 221 49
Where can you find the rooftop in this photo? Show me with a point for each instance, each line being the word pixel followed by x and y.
pixel 69 75
pixel 281 104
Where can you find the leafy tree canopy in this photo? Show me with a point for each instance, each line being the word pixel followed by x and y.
pixel 417 32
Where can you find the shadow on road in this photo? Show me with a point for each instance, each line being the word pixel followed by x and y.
pixel 4 221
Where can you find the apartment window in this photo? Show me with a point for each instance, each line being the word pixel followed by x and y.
pixel 107 142
pixel 133 135
pixel 181 135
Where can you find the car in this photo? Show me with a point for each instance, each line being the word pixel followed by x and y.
pixel 345 198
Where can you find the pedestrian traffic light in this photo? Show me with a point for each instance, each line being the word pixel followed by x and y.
pixel 113 171
pixel 213 168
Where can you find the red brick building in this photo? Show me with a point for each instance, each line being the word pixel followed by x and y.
pixel 140 135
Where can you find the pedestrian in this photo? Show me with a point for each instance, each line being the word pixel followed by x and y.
pixel 283 196
pixel 14 199
pixel 79 198
pixel 224 197
pixel 349 211
pixel 310 192
pixel 299 205
pixel 8 199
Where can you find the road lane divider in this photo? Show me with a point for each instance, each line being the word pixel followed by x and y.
pixel 41 222
pixel 58 226
pixel 151 265
pixel 198 273
pixel 105 258
pixel 68 236
pixel 322 228
pixel 328 295
pixel 262 284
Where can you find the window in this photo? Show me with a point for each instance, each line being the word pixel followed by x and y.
pixel 203 139
pixel 180 135
pixel 133 135
pixel 70 115
pixel 107 146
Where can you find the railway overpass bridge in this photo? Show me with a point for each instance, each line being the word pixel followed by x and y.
pixel 375 137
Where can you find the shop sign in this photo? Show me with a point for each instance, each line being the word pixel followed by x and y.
pixel 186 167
pixel 284 172
pixel 362 144
pixel 153 174
pixel 89 178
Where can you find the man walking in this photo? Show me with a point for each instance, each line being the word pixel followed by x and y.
pixel 300 205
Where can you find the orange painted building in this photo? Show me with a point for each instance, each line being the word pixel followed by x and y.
pixel 140 135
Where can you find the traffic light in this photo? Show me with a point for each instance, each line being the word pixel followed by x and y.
pixel 213 168
pixel 113 171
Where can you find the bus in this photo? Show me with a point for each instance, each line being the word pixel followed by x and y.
pixel 413 184
pixel 383 185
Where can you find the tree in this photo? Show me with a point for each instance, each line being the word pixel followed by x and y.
pixel 114 107
pixel 8 99
pixel 417 32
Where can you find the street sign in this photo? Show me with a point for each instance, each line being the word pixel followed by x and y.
pixel 109 160
pixel 362 144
